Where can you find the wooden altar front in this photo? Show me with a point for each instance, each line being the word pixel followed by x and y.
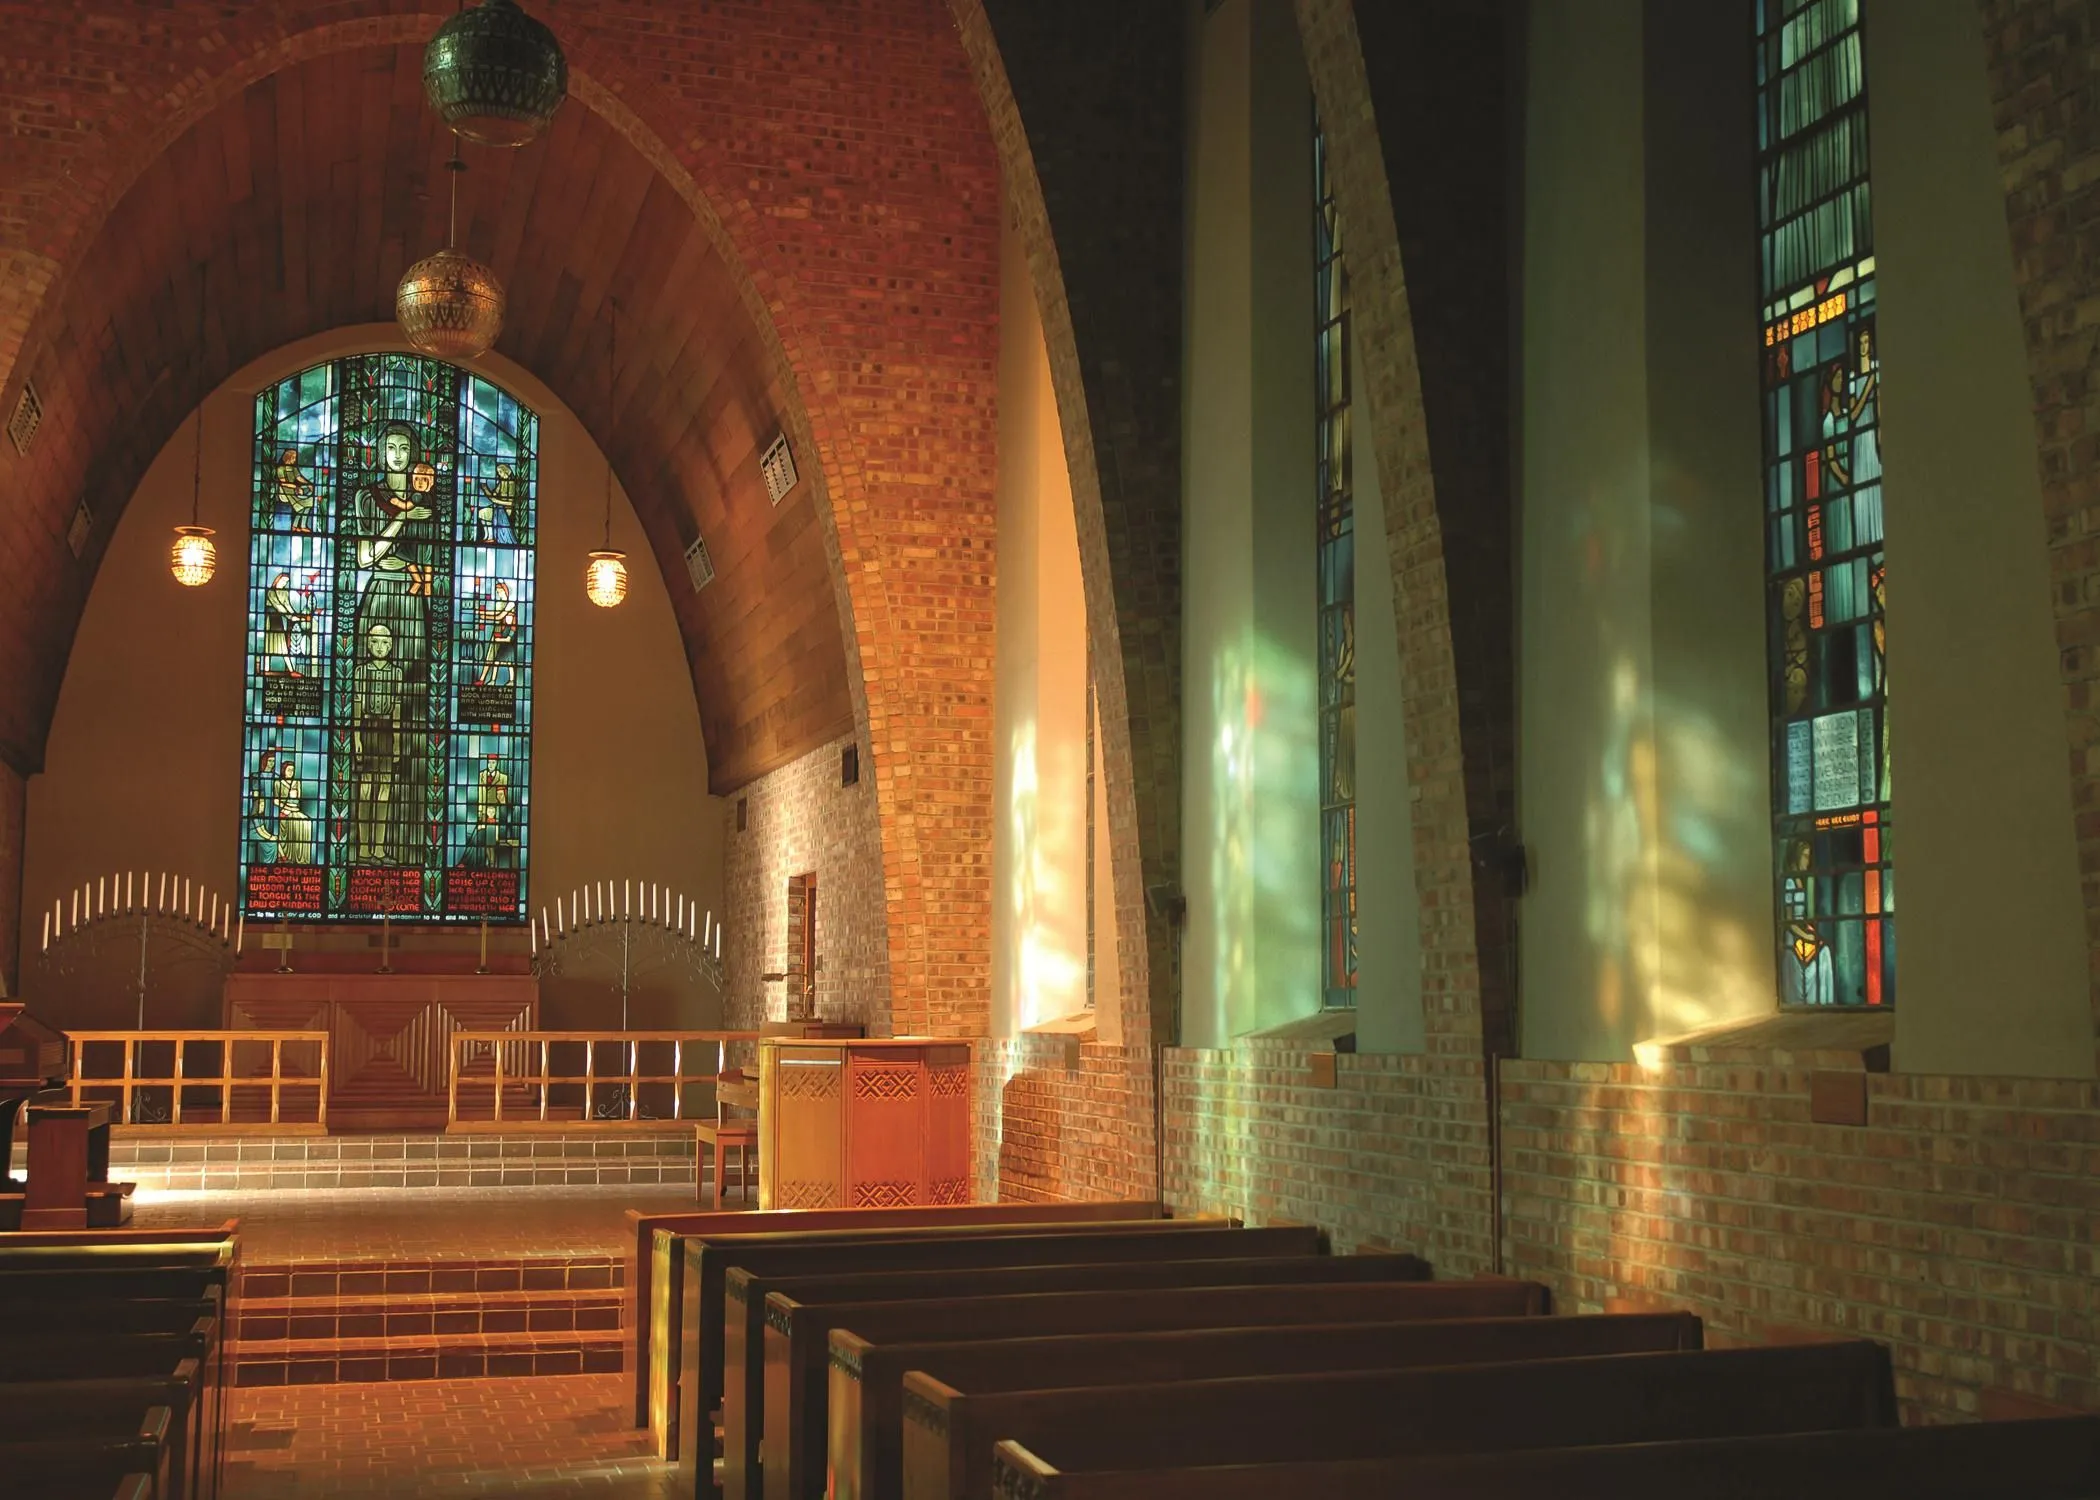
pixel 389 1035
pixel 863 1124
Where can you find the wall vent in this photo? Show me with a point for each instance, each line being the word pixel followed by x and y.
pixel 83 524
pixel 743 813
pixel 779 466
pixel 699 565
pixel 28 416
pixel 849 765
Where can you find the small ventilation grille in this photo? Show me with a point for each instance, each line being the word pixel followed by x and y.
pixel 77 533
pixel 849 766
pixel 779 465
pixel 699 564
pixel 29 415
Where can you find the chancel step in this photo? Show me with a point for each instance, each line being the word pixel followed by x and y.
pixel 317 1323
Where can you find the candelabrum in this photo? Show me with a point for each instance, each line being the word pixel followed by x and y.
pixel 642 931
pixel 151 932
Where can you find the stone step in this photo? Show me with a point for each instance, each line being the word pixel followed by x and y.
pixel 253 1162
pixel 459 1357
pixel 262 1321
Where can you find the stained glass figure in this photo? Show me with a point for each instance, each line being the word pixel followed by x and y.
pixel 1336 585
pixel 387 751
pixel 1827 583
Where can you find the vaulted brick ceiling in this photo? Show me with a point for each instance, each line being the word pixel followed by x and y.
pixel 306 197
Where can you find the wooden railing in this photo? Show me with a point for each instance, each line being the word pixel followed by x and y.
pixel 194 1095
pixel 509 1079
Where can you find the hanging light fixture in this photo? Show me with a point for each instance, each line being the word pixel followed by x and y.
pixel 195 557
pixel 605 576
pixel 495 75
pixel 450 305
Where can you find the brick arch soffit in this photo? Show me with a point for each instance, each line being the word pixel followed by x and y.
pixel 1141 969
pixel 1414 535
pixel 257 46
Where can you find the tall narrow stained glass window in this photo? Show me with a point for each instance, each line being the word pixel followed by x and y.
pixel 386 758
pixel 1336 592
pixel 1826 585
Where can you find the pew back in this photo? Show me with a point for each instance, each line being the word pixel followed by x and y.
pixel 698 1328
pixel 864 1414
pixel 797 1335
pixel 2052 1459
pixel 949 1435
pixel 60 1466
pixel 756 1432
pixel 645 1270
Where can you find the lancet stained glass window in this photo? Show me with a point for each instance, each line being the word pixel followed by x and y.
pixel 1337 592
pixel 1836 887
pixel 386 758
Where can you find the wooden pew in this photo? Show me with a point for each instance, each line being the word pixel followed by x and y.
pixel 752 1440
pixel 1550 1403
pixel 60 1467
pixel 866 1377
pixel 2051 1459
pixel 697 1323
pixel 644 1268
pixel 105 1407
pixel 93 1351
pixel 797 1337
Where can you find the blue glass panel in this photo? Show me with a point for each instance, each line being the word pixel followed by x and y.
pixel 386 754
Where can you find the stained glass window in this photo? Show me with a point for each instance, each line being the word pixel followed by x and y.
pixel 1336 566
pixel 386 756
pixel 1826 581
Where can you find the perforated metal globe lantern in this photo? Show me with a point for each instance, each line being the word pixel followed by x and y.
pixel 194 557
pixel 605 578
pixel 495 75
pixel 450 306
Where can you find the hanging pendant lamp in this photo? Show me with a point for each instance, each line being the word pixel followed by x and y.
pixel 450 305
pixel 605 575
pixel 495 75
pixel 195 557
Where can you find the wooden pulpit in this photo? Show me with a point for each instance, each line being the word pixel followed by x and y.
pixel 863 1123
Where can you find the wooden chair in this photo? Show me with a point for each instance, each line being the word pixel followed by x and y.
pixel 723 1133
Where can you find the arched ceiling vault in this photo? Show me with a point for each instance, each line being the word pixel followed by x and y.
pixel 304 198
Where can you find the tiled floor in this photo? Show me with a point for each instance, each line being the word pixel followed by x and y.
pixel 415 1223
pixel 548 1437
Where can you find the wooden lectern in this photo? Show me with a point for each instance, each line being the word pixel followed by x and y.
pixel 863 1124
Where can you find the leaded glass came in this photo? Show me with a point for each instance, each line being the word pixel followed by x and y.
pixel 1827 585
pixel 386 757
pixel 1336 563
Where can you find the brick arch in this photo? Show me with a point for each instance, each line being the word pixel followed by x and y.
pixel 854 197
pixel 1059 96
pixel 1410 101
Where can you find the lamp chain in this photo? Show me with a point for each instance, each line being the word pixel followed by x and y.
pixel 612 361
pixel 197 460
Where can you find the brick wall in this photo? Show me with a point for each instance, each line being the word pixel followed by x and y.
pixel 2045 86
pixel 799 820
pixel 1957 1226
pixel 1050 1130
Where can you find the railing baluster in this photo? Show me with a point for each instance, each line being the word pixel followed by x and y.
pixel 458 1061
pixel 175 1089
pixel 678 1078
pixel 276 1077
pixel 498 1049
pixel 546 1079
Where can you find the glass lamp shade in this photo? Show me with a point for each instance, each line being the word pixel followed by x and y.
pixel 450 306
pixel 194 557
pixel 495 75
pixel 605 578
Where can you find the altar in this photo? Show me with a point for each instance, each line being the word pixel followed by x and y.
pixel 869 1123
pixel 389 1034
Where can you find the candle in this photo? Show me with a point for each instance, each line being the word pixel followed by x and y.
pixel 47 929
pixel 214 910
pixel 76 908
pixel 707 933
pixel 535 939
pixel 162 903
pixel 626 898
pixel 240 933
pixel 101 896
pixel 127 890
pixel 718 942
